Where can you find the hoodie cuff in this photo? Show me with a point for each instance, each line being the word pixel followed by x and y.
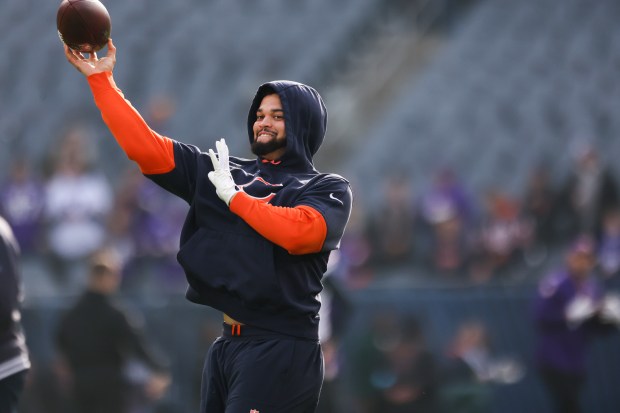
pixel 101 82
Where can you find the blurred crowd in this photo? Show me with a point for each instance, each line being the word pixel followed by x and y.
pixel 389 364
pixel 70 209
pixel 446 233
pixel 393 368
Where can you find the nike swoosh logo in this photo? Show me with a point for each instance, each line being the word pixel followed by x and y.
pixel 331 195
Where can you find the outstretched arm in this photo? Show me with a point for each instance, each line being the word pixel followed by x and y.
pixel 153 152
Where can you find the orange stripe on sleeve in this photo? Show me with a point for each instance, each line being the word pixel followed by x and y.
pixel 299 230
pixel 151 151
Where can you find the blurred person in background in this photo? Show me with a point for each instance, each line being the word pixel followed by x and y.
pixel 393 371
pixel 464 379
pixel 413 373
pixel 472 369
pixel 391 229
pixel 609 250
pixel 120 226
pixel 447 194
pixel 364 355
pixel 335 313
pixel 354 258
pixel 14 358
pixel 539 203
pixel 77 202
pixel 22 200
pixel 21 203
pixel 156 221
pixel 449 247
pixel 588 193
pixel 98 341
pixel 570 309
pixel 144 228
pixel 447 213
pixel 500 239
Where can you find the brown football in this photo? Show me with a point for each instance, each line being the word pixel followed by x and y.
pixel 83 25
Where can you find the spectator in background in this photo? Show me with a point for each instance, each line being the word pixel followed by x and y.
pixel 447 197
pixel 145 227
pixel 609 249
pixel 466 375
pixel 21 203
pixel 77 202
pixel 22 199
pixel 447 218
pixel 587 194
pixel 156 224
pixel 14 360
pixel 449 246
pixel 471 369
pixel 353 259
pixel 570 308
pixel 501 237
pixel 412 371
pixel 392 224
pixel 120 237
pixel 97 340
pixel 394 371
pixel 335 313
pixel 539 202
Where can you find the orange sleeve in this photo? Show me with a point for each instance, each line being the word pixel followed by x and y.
pixel 151 151
pixel 299 230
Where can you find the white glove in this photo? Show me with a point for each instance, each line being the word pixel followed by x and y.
pixel 579 310
pixel 220 177
pixel 610 311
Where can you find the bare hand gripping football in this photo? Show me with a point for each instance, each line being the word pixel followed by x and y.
pixel 92 64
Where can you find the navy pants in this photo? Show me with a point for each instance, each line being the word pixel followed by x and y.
pixel 250 370
pixel 10 389
pixel 564 389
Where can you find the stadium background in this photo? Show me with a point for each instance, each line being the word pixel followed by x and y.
pixel 490 88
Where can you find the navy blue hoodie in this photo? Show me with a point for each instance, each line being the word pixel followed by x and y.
pixel 230 266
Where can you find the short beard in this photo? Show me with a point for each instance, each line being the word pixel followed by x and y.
pixel 264 148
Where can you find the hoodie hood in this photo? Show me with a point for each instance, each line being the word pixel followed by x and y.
pixel 305 116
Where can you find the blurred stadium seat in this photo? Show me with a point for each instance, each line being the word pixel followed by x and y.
pixel 515 83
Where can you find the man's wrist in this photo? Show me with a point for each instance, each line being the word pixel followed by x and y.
pixel 101 81
pixel 232 196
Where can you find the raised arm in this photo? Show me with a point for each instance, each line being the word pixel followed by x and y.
pixel 151 151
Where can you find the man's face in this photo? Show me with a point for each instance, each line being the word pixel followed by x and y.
pixel 269 128
pixel 581 264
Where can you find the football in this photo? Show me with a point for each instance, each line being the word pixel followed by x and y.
pixel 83 25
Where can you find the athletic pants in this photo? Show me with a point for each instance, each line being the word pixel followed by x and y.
pixel 251 370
